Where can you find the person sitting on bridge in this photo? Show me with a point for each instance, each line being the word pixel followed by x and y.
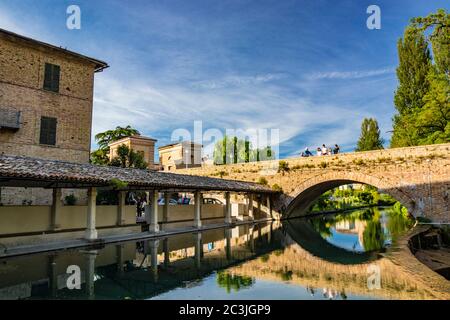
pixel 336 149
pixel 324 150
pixel 306 153
pixel 319 151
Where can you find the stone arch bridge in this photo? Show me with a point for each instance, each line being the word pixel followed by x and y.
pixel 418 177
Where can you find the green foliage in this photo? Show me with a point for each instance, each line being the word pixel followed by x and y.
pixel 235 282
pixel 283 166
pixel 433 120
pixel 373 236
pixel 128 158
pixel 277 188
pixel 286 275
pixel 323 165
pixel 440 22
pixel 100 157
pixel 422 97
pixel 262 180
pixel 70 200
pixel 118 184
pixel 105 138
pixel 234 150
pixel 370 138
pixel 346 199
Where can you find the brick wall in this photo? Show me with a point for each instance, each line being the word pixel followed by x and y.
pixel 22 67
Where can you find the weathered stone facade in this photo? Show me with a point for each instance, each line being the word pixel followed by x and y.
pixel 22 70
pixel 419 177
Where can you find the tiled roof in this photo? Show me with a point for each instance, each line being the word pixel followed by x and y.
pixel 99 65
pixel 33 172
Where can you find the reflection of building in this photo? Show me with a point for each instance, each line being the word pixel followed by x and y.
pixel 180 155
pixel 140 144
pixel 45 105
pixel 352 227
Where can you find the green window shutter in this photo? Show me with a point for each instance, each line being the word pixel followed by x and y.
pixel 51 77
pixel 48 131
pixel 55 79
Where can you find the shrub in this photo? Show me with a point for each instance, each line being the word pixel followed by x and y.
pixel 277 188
pixel 70 200
pixel 358 162
pixel 283 166
pixel 323 165
pixel 262 180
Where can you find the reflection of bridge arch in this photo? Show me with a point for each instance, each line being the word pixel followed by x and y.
pixel 311 189
pixel 302 232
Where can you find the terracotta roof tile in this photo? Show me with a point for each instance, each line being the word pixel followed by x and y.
pixel 34 172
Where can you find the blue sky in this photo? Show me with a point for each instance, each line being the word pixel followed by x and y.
pixel 311 69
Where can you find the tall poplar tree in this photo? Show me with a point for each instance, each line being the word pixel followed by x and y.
pixel 370 138
pixel 414 66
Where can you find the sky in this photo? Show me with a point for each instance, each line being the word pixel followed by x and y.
pixel 311 69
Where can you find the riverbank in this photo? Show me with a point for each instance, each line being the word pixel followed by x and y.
pixel 401 253
pixel 431 247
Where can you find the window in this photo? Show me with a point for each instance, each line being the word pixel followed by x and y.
pixel 48 131
pixel 51 77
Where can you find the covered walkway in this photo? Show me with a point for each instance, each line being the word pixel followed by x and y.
pixel 25 172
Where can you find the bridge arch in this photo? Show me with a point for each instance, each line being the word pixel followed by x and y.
pixel 308 191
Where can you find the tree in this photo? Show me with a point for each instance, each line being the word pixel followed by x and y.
pixel 100 156
pixel 440 22
pixel 234 150
pixel 433 120
pixel 105 138
pixel 128 158
pixel 414 66
pixel 422 98
pixel 370 136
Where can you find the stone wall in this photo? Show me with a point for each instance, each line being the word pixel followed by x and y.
pixel 419 177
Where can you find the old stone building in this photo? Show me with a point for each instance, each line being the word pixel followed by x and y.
pixel 180 155
pixel 46 100
pixel 143 145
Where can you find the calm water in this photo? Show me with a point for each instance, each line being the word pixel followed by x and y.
pixel 321 258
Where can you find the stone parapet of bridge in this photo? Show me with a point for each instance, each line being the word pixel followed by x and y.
pixel 418 177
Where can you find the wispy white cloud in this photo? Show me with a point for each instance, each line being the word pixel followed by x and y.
pixel 164 108
pixel 350 74
pixel 238 80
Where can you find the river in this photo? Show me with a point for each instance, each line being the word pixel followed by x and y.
pixel 335 256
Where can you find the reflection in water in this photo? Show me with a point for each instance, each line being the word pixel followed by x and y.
pixel 364 230
pixel 301 259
